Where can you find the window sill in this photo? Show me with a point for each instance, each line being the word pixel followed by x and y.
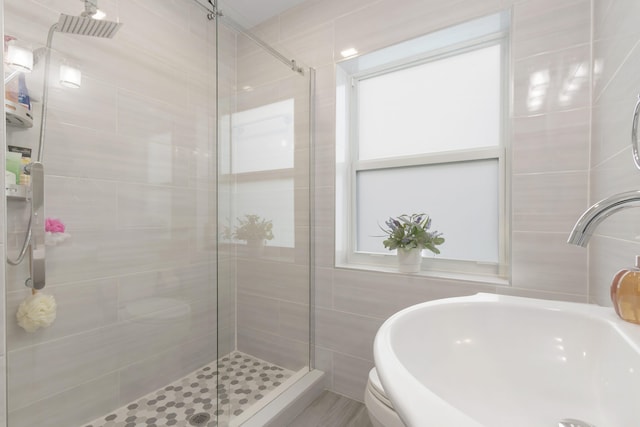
pixel 435 274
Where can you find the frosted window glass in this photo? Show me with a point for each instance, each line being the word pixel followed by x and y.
pixel 271 200
pixel 262 138
pixel 461 198
pixel 431 42
pixel 448 104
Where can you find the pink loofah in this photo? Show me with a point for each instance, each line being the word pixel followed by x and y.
pixel 53 225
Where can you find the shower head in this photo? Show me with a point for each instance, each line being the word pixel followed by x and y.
pixel 86 26
pixel 83 25
pixel 88 23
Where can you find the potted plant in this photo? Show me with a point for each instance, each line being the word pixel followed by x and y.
pixel 254 230
pixel 410 234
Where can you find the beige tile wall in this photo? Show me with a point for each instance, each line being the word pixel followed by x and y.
pixel 548 151
pixel 616 53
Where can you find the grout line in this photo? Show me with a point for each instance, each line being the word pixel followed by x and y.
pixel 590 142
pixel 596 99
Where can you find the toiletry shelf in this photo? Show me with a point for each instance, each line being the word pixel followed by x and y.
pixel 17 114
pixel 17 192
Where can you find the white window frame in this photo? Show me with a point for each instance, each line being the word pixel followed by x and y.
pixel 348 256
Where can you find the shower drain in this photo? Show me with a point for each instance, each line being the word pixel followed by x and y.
pixel 200 419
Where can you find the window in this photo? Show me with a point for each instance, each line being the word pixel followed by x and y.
pixel 420 130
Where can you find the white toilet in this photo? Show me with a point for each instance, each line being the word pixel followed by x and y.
pixel 378 405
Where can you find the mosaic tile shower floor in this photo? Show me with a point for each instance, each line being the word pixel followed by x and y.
pixel 244 380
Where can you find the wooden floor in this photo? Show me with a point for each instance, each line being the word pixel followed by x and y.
pixel 332 410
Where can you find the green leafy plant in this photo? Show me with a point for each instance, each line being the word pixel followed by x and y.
pixel 411 231
pixel 252 227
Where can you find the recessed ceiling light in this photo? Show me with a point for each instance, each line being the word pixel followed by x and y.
pixel 349 52
pixel 70 77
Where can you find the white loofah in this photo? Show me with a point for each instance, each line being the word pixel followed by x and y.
pixel 36 311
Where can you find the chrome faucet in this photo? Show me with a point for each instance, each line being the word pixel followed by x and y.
pixel 593 216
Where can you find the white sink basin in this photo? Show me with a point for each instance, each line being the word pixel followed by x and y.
pixel 500 361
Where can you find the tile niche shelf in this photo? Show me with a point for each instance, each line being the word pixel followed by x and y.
pixel 17 192
pixel 17 115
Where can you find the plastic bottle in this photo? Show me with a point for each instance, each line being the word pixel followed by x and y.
pixel 23 92
pixel 625 293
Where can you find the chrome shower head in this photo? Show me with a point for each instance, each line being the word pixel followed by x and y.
pixel 86 26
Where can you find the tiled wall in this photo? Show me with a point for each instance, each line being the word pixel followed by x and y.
pixel 130 169
pixel 549 152
pixel 616 52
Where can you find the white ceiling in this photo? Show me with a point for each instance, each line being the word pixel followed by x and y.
pixel 250 13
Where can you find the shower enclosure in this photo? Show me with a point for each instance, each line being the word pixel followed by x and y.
pixel 177 155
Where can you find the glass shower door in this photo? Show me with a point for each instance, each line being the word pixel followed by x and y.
pixel 130 171
pixel 264 251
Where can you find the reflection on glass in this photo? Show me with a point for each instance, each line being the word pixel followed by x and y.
pixel 19 57
pixel 538 85
pixel 273 199
pixel 262 138
pixel 252 229
pixel 576 78
pixel 70 77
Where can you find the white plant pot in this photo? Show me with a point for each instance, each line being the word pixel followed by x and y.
pixel 409 260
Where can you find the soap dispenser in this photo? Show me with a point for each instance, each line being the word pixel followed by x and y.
pixel 625 293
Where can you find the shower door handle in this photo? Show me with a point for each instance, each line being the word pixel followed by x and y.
pixel 37 226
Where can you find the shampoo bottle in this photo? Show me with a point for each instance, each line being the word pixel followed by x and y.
pixel 23 92
pixel 625 293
